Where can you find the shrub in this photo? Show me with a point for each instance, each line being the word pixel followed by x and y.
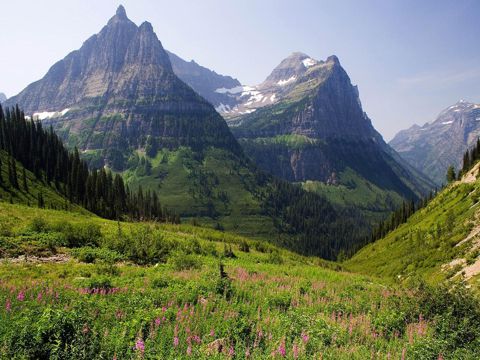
pixel 91 255
pixel 144 246
pixel 101 282
pixel 38 224
pixel 275 258
pixel 244 246
pixel 81 235
pixel 228 252
pixel 181 261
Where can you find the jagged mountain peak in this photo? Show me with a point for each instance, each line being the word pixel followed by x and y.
pixel 119 17
pixel 436 145
pixel 121 13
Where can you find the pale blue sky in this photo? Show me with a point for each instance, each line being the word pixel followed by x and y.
pixel 410 58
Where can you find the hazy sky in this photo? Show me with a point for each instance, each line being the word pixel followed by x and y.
pixel 409 58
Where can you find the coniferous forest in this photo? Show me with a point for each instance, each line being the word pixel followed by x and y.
pixel 99 191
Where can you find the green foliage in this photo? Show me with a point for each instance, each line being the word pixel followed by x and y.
pixel 181 261
pixel 451 175
pixel 103 309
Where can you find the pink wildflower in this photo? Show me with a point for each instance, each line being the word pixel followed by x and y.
pixel 189 350
pixel 8 305
pixel 295 351
pixel 157 321
pixel 305 337
pixel 175 341
pixel 231 351
pixel 212 332
pixel 281 348
pixel 140 346
pixel 21 296
pixel 404 352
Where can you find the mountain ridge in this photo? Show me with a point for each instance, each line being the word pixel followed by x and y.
pixel 433 147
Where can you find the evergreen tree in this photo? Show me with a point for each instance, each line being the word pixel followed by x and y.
pixel 451 176
pixel 24 178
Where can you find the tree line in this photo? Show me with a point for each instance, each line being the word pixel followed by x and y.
pixel 42 152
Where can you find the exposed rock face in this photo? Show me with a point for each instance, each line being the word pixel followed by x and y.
pixel 316 127
pixel 433 147
pixel 2 97
pixel 205 81
pixel 118 88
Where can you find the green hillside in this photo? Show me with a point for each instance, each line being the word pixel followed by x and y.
pixel 438 242
pixel 30 189
pixel 90 288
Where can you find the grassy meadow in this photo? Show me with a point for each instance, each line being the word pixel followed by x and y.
pixel 73 285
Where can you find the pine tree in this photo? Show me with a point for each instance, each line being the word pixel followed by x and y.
pixel 24 178
pixel 451 176
pixel 12 173
pixel 40 200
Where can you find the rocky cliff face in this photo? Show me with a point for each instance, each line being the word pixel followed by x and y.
pixel 2 97
pixel 205 81
pixel 316 128
pixel 118 89
pixel 433 147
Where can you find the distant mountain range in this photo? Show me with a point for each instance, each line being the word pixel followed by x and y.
pixel 431 148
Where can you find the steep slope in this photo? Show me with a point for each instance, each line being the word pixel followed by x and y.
pixel 205 82
pixel 433 147
pixel 118 100
pixel 3 97
pixel 440 241
pixel 312 128
pixel 30 190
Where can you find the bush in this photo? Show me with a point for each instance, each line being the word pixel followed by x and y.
pixel 244 246
pixel 275 258
pixel 38 224
pixel 101 282
pixel 144 246
pixel 91 255
pixel 81 234
pixel 228 252
pixel 181 261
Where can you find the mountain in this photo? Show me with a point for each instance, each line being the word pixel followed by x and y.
pixel 433 147
pixel 305 123
pixel 119 102
pixel 205 82
pixel 438 242
pixel 3 97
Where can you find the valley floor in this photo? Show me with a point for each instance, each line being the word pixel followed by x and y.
pixel 111 290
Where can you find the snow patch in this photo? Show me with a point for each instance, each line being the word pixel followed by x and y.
pixel 235 90
pixel 447 122
pixel 309 62
pixel 49 114
pixel 222 108
pixel 272 98
pixel 287 81
pixel 248 111
pixel 477 119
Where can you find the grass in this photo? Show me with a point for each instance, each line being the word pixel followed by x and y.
pixel 158 291
pixel 207 189
pixel 355 191
pixel 427 242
